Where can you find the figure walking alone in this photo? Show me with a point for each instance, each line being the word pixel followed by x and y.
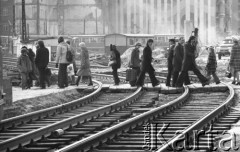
pixel 146 66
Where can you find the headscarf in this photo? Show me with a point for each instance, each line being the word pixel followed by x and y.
pixel 82 44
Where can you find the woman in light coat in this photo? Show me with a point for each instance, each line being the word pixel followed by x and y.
pixel 63 63
pixel 84 68
pixel 235 61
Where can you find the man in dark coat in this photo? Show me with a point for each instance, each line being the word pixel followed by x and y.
pixel 147 66
pixel 115 56
pixel 190 64
pixel 177 62
pixel 41 61
pixel 170 60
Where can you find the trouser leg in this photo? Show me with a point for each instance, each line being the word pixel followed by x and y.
pixel 215 77
pixel 175 77
pixel 181 78
pixel 24 80
pixel 140 80
pixel 186 79
pixel 62 76
pixel 115 76
pixel 169 76
pixel 201 78
pixel 78 79
pixel 42 77
pixel 65 79
pixel 153 79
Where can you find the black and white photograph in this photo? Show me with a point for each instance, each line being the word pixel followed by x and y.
pixel 119 75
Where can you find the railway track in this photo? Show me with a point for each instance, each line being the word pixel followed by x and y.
pixel 17 127
pixel 75 126
pixel 162 127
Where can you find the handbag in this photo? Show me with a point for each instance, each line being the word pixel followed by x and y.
pixel 131 74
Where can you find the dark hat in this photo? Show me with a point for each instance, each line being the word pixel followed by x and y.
pixel 24 49
pixel 138 44
pixel 150 40
pixel 172 40
pixel 60 39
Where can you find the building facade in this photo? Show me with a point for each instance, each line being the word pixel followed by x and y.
pixel 6 21
pixel 214 18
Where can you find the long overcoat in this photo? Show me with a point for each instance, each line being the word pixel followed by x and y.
pixel 147 60
pixel 212 62
pixel 84 68
pixel 134 59
pixel 115 55
pixel 189 57
pixel 24 64
pixel 178 57
pixel 42 57
pixel 170 56
pixel 235 58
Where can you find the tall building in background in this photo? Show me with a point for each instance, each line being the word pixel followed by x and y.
pixel 214 18
pixel 6 21
pixel 41 17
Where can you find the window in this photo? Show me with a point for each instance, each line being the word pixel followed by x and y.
pixel 4 12
pixel 4 27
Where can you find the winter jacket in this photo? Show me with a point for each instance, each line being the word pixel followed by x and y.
pixel 115 56
pixel 84 68
pixel 62 52
pixel 24 64
pixel 189 57
pixel 147 59
pixel 134 60
pixel 42 57
pixel 178 57
pixel 235 57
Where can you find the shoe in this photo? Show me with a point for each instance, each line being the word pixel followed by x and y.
pixel 156 84
pixel 218 82
pixel 90 84
pixel 116 84
pixel 205 83
pixel 233 82
pixel 238 83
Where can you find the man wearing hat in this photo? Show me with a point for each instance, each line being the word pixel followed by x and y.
pixel 25 67
pixel 170 60
pixel 134 62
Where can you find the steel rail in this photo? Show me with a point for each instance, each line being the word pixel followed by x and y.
pixel 45 131
pixel 205 121
pixel 11 122
pixel 100 137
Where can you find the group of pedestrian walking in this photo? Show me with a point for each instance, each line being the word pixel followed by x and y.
pixel 181 59
pixel 67 67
